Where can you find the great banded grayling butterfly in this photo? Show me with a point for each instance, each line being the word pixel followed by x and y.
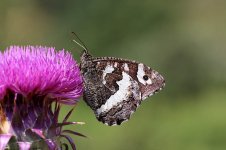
pixel 115 87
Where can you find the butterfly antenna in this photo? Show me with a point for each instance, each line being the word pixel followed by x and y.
pixel 80 43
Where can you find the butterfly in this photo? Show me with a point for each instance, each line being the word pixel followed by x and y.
pixel 115 87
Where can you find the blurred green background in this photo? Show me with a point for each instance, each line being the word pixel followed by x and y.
pixel 184 40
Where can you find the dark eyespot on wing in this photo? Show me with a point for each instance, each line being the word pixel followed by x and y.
pixel 145 77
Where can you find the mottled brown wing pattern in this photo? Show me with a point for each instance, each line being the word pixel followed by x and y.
pixel 114 87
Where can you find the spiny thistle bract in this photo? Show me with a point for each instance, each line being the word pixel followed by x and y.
pixel 35 82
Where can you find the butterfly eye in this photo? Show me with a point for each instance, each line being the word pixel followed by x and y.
pixel 145 77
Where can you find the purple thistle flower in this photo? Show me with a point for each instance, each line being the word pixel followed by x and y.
pixel 31 80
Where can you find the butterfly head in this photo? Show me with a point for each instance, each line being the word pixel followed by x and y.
pixel 151 81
